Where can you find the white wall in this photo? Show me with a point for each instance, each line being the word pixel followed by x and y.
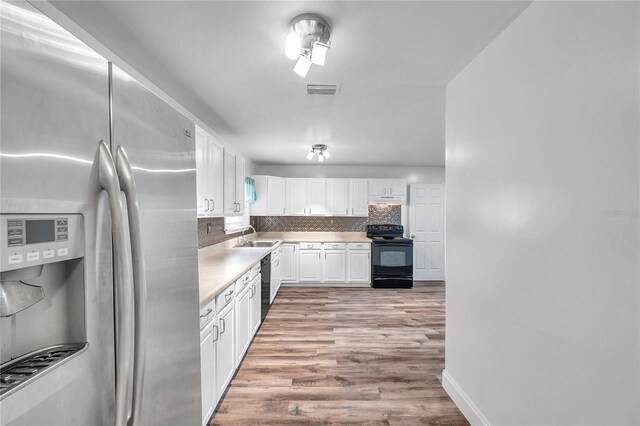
pixel 412 174
pixel 542 220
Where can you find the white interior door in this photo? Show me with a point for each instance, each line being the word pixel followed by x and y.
pixel 426 222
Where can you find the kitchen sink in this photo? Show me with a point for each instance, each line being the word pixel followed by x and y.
pixel 257 244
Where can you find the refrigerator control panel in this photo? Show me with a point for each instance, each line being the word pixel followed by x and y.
pixel 29 240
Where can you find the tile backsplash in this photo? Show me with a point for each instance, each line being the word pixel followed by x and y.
pixel 216 234
pixel 378 213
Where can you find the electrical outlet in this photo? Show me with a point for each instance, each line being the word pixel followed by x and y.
pixel 209 228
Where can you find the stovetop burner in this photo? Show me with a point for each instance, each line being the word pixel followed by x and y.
pixel 18 372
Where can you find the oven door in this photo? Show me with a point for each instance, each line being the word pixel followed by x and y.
pixel 392 259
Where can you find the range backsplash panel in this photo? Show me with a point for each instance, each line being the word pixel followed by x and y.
pixel 378 213
pixel 217 234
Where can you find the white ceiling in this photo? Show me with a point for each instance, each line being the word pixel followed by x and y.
pixel 225 62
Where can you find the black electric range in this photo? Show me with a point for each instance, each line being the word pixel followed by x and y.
pixel 391 257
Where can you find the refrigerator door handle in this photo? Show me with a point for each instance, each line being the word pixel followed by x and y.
pixel 128 185
pixel 123 288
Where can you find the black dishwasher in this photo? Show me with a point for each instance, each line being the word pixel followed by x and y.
pixel 265 286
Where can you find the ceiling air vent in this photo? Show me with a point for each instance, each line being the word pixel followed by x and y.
pixel 323 89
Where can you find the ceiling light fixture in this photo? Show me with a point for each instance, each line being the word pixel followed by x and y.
pixel 302 66
pixel 308 41
pixel 321 150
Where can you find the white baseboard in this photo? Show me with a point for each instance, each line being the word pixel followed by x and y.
pixel 344 285
pixel 468 408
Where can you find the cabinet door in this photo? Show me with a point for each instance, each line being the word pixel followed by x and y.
pixel 335 266
pixel 225 348
pixel 358 266
pixel 215 177
pixel 297 196
pixel 276 200
pixel 310 266
pixel 230 206
pixel 398 187
pixel 207 372
pixel 316 197
pixel 243 323
pixel 378 187
pixel 201 172
pixel 359 197
pixel 289 263
pixel 239 186
pixel 337 198
pixel 255 305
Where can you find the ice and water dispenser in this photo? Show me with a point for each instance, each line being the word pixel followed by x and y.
pixel 42 295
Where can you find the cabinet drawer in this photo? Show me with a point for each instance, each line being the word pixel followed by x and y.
pixel 243 281
pixel 359 246
pixel 255 271
pixel 334 246
pixel 207 314
pixel 225 298
pixel 310 246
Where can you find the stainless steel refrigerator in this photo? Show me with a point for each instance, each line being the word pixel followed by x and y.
pixel 99 281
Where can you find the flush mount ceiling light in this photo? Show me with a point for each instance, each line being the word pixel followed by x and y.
pixel 321 150
pixel 308 42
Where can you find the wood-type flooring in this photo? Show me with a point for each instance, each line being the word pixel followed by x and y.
pixel 345 356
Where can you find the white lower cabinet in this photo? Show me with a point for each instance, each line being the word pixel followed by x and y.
pixel 276 274
pixel 358 266
pixel 310 263
pixel 289 263
pixel 255 298
pixel 208 337
pixel 335 264
pixel 326 263
pixel 243 323
pixel 225 348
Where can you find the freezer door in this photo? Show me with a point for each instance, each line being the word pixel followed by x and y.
pixel 54 112
pixel 160 145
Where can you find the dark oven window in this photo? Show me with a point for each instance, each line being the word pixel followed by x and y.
pixel 392 260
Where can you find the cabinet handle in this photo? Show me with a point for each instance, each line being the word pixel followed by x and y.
pixel 206 202
pixel 335 246
pixel 213 203
pixel 250 292
pixel 206 314
pixel 346 211
pixel 305 210
pixel 351 210
pixel 224 326
pixel 215 327
pixel 385 190
pixel 277 263
pixel 283 210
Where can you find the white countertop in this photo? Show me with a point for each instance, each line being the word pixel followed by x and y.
pixel 221 265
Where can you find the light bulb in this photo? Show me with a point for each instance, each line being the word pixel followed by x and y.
pixel 302 66
pixel 310 155
pixel 326 154
pixel 320 158
pixel 293 45
pixel 319 52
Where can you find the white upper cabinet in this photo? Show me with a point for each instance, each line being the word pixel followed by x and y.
pixel 297 196
pixel 359 197
pixel 316 196
pixel 337 198
pixel 306 197
pixel 209 174
pixel 388 191
pixel 233 185
pixel 270 196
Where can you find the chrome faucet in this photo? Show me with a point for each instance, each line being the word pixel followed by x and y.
pixel 243 239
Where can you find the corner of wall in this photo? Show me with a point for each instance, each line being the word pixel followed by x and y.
pixel 462 401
